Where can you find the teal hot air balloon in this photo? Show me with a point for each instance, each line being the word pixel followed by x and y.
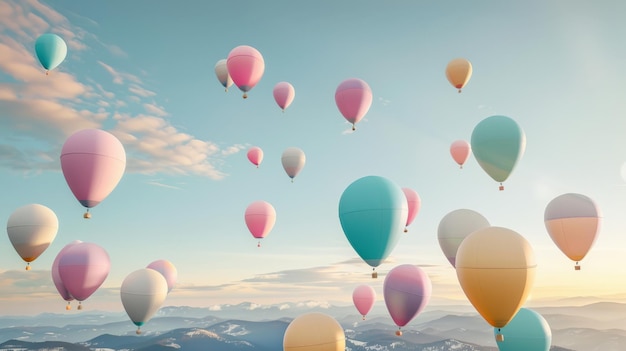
pixel 527 331
pixel 373 211
pixel 498 143
pixel 51 50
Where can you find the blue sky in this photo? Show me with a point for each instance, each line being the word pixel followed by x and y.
pixel 145 69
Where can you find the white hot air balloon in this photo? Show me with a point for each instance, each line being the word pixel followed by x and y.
pixel 143 292
pixel 221 71
pixel 31 229
pixel 293 160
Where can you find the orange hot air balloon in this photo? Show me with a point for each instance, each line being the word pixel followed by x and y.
pixel 314 332
pixel 573 222
pixel 459 72
pixel 496 269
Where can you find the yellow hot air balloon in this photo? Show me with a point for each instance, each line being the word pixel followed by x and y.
pixel 496 269
pixel 314 332
pixel 459 72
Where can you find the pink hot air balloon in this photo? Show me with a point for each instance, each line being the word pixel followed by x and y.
pixel 353 98
pixel 245 66
pixel 414 202
pixel 284 94
pixel 167 270
pixel 255 155
pixel 407 289
pixel 93 162
pixel 364 297
pixel 460 151
pixel 83 268
pixel 260 217
pixel 56 277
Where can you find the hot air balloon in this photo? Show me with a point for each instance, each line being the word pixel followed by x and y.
pixel 255 155
pixel 93 162
pixel 284 93
pixel 314 332
pixel 245 67
pixel 51 50
pixel 260 218
pixel 31 229
pixel 143 292
pixel 373 212
pixel 353 98
pixel 293 160
pixel 460 151
pixel 221 71
pixel 496 269
pixel 573 222
pixel 167 270
pixel 498 143
pixel 363 297
pixel 456 226
pixel 56 277
pixel 459 72
pixel 414 203
pixel 83 268
pixel 407 289
pixel 528 330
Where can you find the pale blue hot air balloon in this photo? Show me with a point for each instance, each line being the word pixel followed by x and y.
pixel 498 143
pixel 51 50
pixel 528 330
pixel 373 211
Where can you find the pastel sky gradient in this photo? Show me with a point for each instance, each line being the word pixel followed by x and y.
pixel 143 70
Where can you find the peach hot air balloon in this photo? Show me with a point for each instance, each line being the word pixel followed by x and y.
pixel 460 151
pixel 255 155
pixel 573 222
pixel 260 218
pixel 246 67
pixel 459 72
pixel 284 93
pixel 496 269
pixel 363 298
pixel 31 230
pixel 314 332
pixel 414 203
pixel 167 270
pixel 93 162
pixel 353 98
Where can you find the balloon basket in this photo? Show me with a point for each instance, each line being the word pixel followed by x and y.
pixel 28 267
pixel 245 96
pixel 80 307
pixel 399 332
pixel 576 267
pixel 363 317
pixel 499 337
pixel 353 128
pixel 68 307
pixel 406 230
pixel 138 331
pixel 374 275
pixel 87 215
pixel 501 187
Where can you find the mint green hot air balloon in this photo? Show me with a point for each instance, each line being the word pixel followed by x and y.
pixel 373 211
pixel 51 50
pixel 527 331
pixel 498 143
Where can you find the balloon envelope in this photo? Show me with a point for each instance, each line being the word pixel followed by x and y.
pixel 373 212
pixel 293 160
pixel 573 222
pixel 456 226
pixel 221 71
pixel 413 204
pixel 142 293
pixel 407 289
pixel 245 66
pixel 498 143
pixel 314 332
pixel 528 330
pixel 56 277
pixel 364 297
pixel 255 155
pixel 167 270
pixel 83 268
pixel 93 162
pixel 353 98
pixel 31 230
pixel 459 72
pixel 260 218
pixel 284 93
pixel 496 269
pixel 51 50
pixel 460 151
